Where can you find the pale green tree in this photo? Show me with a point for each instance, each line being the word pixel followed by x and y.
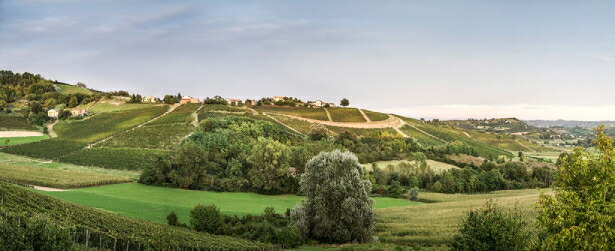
pixel 337 208
pixel 270 160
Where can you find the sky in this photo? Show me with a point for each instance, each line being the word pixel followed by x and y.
pixel 431 59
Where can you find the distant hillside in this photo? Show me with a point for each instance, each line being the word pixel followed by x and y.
pixel 569 123
pixel 500 125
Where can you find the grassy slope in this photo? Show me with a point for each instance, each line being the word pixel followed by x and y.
pixel 22 140
pixel 17 200
pixel 70 89
pixel 15 122
pixel 311 113
pixel 299 125
pixel 434 165
pixel 435 224
pixel 154 203
pixel 26 161
pixel 114 105
pixel 57 178
pixel 362 132
pixel 339 114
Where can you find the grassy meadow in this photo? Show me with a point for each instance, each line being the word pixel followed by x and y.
pixel 435 224
pixel 22 140
pixel 154 203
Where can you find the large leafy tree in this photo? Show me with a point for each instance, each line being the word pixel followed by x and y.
pixel 270 160
pixel 581 214
pixel 338 208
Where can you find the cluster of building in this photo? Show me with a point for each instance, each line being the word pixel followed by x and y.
pixel 54 113
pixel 316 103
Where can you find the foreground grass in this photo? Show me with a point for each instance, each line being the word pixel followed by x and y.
pixel 55 178
pixel 154 203
pixel 435 224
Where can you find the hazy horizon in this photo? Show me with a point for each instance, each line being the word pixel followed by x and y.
pixel 434 59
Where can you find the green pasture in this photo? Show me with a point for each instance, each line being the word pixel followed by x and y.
pixel 154 203
pixel 21 140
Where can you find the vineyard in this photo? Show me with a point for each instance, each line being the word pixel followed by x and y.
pixel 376 116
pixel 55 178
pixel 339 114
pixel 310 113
pixel 115 158
pixel 424 139
pixel 15 122
pixel 108 231
pixel 158 136
pixel 46 149
pixel 181 114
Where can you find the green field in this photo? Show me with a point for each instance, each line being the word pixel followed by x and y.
pixel 30 162
pixel 435 224
pixel 339 114
pixel 154 203
pixel 310 113
pixel 15 122
pixel 22 140
pixel 376 116
pixel 71 89
pixel 56 178
pixel 109 229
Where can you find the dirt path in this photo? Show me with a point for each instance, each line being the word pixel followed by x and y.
pixel 524 146
pixel 254 112
pixel 467 134
pixel 364 115
pixel 195 116
pixel 328 114
pixel 138 126
pixel 50 130
pixel 16 134
pixel 49 189
pixel 387 123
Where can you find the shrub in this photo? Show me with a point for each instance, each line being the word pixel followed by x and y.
pixel 493 228
pixel 413 194
pixel 206 218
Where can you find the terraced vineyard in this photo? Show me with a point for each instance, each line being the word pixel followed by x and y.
pixel 115 158
pixel 310 113
pixel 339 114
pixel 181 114
pixel 363 132
pixel 376 116
pixel 157 136
pixel 108 230
pixel 55 177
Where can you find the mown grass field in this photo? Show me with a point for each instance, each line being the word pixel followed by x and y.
pixel 30 162
pixel 15 122
pixel 435 224
pixel 22 140
pixel 340 114
pixel 376 116
pixel 155 203
pixel 72 89
pixel 181 114
pixel 310 113
pixel 115 158
pixel 56 178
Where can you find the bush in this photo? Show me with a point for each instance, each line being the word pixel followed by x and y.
pixel 413 194
pixel 206 218
pixel 493 228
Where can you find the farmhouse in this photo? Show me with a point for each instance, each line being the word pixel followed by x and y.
pixel 195 101
pixel 235 100
pixel 317 103
pixel 77 112
pixel 277 98
pixel 53 113
pixel 151 99
pixel 188 99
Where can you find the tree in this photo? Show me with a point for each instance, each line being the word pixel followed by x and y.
pixel 73 102
pixel 172 219
pixel 344 102
pixel 581 214
pixel 318 131
pixel 337 207
pixel 206 218
pixel 493 228
pixel 413 194
pixel 270 160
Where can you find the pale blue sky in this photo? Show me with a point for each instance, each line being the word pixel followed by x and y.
pixel 448 59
